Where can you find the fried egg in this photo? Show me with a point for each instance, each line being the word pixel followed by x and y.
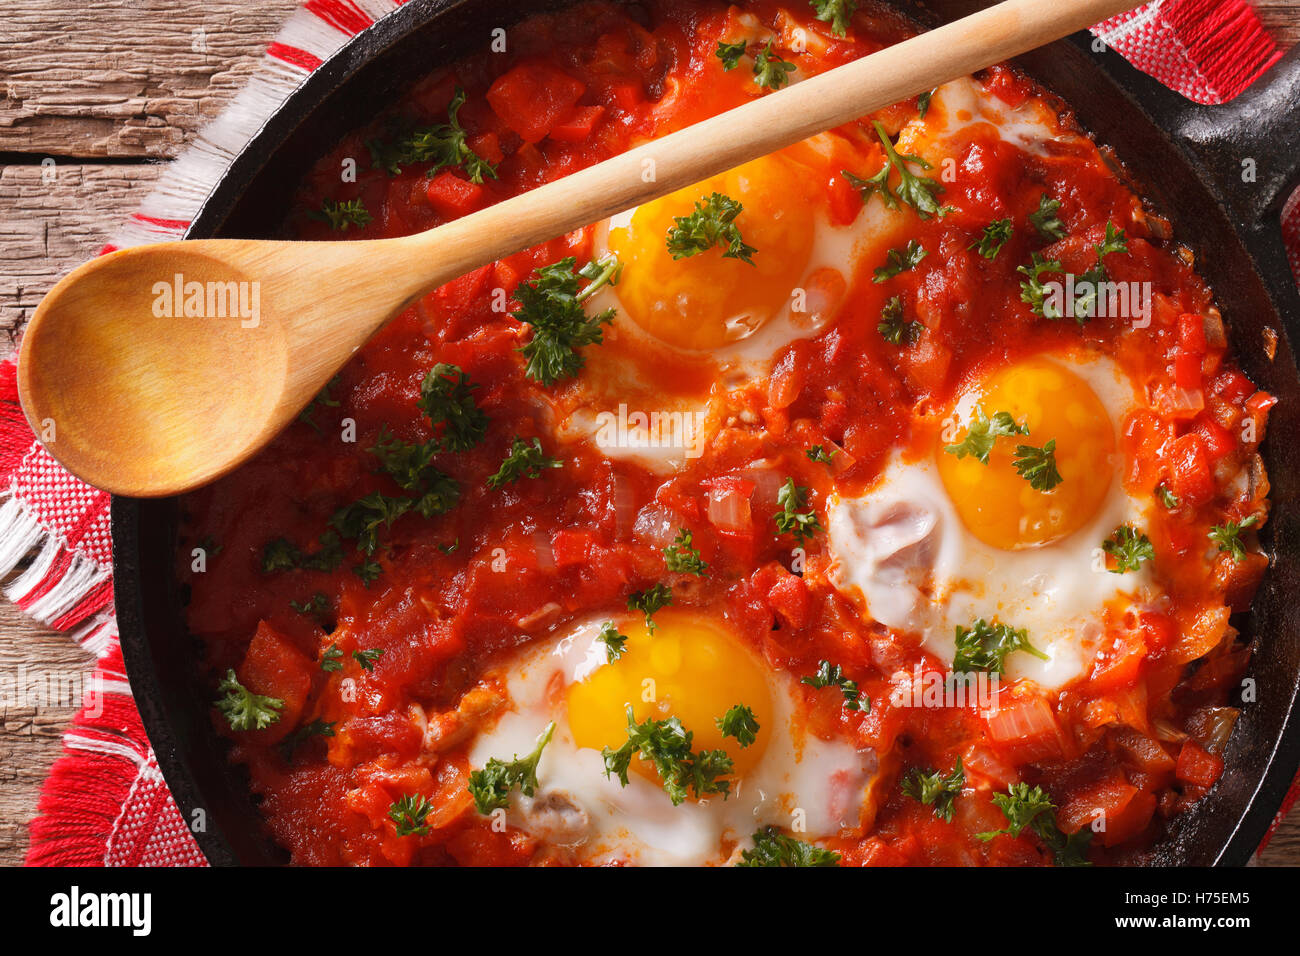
pixel 691 330
pixel 940 542
pixel 693 668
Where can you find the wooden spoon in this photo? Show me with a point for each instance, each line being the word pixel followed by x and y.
pixel 147 404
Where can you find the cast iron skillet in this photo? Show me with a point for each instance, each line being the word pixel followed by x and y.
pixel 1186 158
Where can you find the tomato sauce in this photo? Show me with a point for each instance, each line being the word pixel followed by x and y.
pixel 1141 736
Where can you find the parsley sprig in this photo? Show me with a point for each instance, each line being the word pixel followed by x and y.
pixel 739 722
pixel 993 238
pixel 1129 547
pixel 615 643
pixel 792 519
pixel 774 848
pixel 342 214
pixel 447 399
pixel 649 601
pixel 1026 807
pixel 730 54
pixel 770 71
pixel 1038 465
pixel 819 454
pixel 836 13
pixel 681 557
pixel 524 460
pixel 409 814
pixel 932 788
pixel 712 223
pixel 919 192
pixel 1044 218
pixel 667 745
pixel 443 145
pixel 832 675
pixel 983 432
pixel 491 786
pixel 552 305
pixel 894 328
pixel 1227 536
pixel 245 710
pixel 898 261
pixel 985 647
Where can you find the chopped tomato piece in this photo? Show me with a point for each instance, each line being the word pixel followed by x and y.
pixel 1119 664
pixel 532 98
pixel 274 667
pixel 1197 765
pixel 453 196
pixel 1025 728
pixel 1187 369
pixel 572 547
pixel 1190 477
pixel 1218 440
pixel 1191 333
pixel 579 125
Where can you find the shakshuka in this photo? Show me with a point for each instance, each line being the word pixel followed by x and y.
pixel 881 501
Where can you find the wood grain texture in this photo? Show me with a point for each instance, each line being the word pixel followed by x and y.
pixel 118 78
pixel 124 77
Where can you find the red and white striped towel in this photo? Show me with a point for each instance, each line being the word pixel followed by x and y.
pixel 105 802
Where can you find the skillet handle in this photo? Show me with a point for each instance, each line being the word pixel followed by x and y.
pixel 1261 125
pixel 1257 133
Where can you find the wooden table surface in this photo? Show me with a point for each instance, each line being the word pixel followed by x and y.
pixel 111 90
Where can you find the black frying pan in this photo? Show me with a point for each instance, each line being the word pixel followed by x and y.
pixel 1186 158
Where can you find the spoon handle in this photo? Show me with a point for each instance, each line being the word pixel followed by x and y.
pixel 765 124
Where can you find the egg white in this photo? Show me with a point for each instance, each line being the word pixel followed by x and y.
pixel 800 780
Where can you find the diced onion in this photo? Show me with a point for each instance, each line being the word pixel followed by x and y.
pixel 729 510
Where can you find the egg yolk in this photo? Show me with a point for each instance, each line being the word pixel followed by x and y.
pixel 995 502
pixel 706 300
pixel 689 668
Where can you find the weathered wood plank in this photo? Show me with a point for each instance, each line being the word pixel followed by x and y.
pixel 36 665
pixel 52 219
pixel 124 77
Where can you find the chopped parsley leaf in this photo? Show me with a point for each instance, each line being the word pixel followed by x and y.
pixel 900 260
pixel 1038 465
pixel 894 328
pixel 491 786
pixel 1167 497
pixel 983 432
pixel 552 305
pixel 649 601
pixel 819 454
pixel 739 722
pixel 730 54
pixel 1033 291
pixel 244 709
pixel 712 223
pixel 832 675
pixel 836 13
pixel 447 398
pixel 525 460
pixel 984 647
pixel 770 71
pixel 341 215
pixel 1227 537
pixel 1129 547
pixel 774 848
pixel 367 658
pixel 791 519
pixel 681 558
pixel 1029 808
pixel 994 237
pixel 409 814
pixel 317 604
pixel 615 643
pixel 667 744
pixel 1044 218
pixel 443 145
pixel 934 789
pixel 362 520
pixel 331 659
